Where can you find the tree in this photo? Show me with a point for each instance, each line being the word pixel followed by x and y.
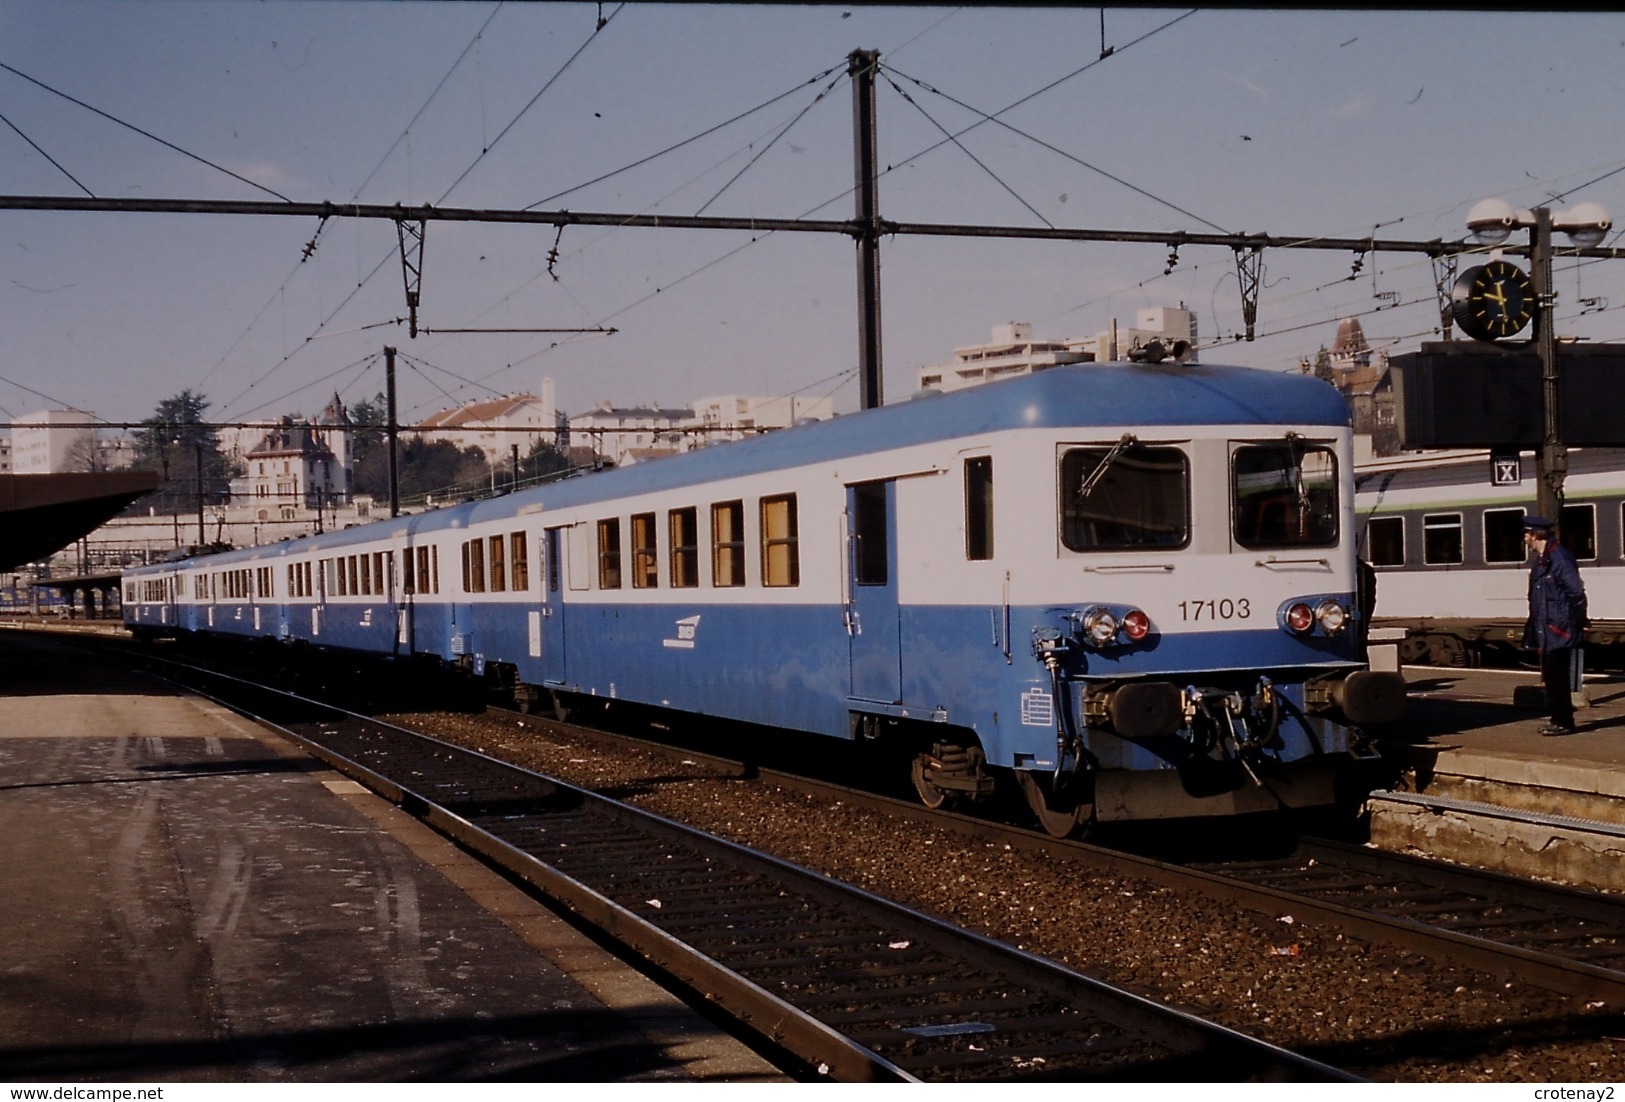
pixel 543 460
pixel 183 447
pixel 1323 364
pixel 369 420
pixel 83 454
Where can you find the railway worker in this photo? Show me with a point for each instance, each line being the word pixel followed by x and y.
pixel 1557 616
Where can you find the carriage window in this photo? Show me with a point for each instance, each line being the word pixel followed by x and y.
pixel 979 507
pixel 645 557
pixel 1441 539
pixel 520 561
pixel 609 554
pixel 1124 496
pixel 1577 527
pixel 1385 541
pixel 869 524
pixel 728 543
pixel 499 573
pixel 474 566
pixel 781 558
pixel 1503 536
pixel 685 548
pixel 1285 495
pixel 428 569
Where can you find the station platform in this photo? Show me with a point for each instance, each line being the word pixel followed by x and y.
pixel 1478 783
pixel 188 898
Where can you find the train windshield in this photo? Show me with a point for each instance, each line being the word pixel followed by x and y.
pixel 1126 495
pixel 1285 494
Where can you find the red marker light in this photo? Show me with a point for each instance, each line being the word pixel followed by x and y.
pixel 1300 617
pixel 1136 624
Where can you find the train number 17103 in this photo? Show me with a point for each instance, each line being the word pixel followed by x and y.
pixel 1223 609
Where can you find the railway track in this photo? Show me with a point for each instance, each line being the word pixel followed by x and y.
pixel 849 985
pixel 1562 939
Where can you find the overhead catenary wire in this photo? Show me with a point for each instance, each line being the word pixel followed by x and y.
pixel 361 283
pixel 145 133
pixel 54 162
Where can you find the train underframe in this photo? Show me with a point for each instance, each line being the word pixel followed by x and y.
pixel 1218 750
pixel 1470 643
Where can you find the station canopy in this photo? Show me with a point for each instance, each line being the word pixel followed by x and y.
pixel 40 514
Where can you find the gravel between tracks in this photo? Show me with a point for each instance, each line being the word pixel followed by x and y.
pixel 1376 1012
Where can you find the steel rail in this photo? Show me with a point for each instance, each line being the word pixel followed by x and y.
pixel 1548 970
pixel 1192 1047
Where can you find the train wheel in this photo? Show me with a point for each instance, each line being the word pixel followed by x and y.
pixel 1060 814
pixel 920 772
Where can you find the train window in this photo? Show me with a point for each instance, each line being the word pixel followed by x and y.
pixel 1503 536
pixel 728 543
pixel 979 507
pixel 1577 527
pixel 427 582
pixel 609 554
pixel 1385 541
pixel 519 566
pixel 1124 496
pixel 869 532
pixel 354 581
pixel 1285 495
pixel 684 536
pixel 645 558
pixel 781 557
pixel 1441 539
pixel 474 566
pixel 362 565
pixel 498 564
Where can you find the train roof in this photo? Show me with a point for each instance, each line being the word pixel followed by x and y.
pixel 1077 396
pixel 1072 396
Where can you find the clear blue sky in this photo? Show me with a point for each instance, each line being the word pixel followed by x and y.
pixel 1340 123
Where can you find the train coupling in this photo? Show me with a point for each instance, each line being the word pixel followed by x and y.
pixel 1364 697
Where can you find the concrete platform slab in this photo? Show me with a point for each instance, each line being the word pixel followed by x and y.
pixel 1498 794
pixel 191 899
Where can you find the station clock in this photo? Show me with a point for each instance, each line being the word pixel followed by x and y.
pixel 1493 300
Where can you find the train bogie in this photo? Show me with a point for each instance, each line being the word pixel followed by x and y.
pixel 1129 589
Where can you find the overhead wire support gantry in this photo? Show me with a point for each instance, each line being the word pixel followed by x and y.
pixel 850 227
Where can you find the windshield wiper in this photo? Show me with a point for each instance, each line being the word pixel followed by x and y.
pixel 1125 442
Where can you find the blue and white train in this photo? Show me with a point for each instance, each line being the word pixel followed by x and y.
pixel 1128 588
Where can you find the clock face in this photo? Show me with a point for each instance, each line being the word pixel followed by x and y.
pixel 1492 301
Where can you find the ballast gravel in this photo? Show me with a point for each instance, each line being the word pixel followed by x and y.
pixel 1371 1010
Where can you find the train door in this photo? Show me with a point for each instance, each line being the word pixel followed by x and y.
pixel 872 613
pixel 547 634
pixel 401 585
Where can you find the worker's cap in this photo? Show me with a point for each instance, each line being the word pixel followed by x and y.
pixel 1538 524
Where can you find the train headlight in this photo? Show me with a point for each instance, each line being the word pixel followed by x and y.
pixel 1099 627
pixel 1300 617
pixel 1135 625
pixel 1332 617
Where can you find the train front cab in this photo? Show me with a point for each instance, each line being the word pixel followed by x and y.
pixel 1187 650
